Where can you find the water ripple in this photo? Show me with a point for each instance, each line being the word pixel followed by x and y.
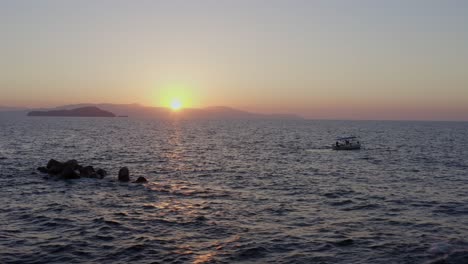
pixel 243 192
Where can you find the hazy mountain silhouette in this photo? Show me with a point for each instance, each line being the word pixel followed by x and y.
pixel 218 112
pixel 11 108
pixel 141 111
pixel 88 111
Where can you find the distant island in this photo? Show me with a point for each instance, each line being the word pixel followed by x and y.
pixel 146 112
pixel 89 111
pixel 163 113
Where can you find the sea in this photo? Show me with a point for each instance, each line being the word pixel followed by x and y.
pixel 234 191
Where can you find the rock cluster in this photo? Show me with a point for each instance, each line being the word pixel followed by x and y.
pixel 124 174
pixel 71 170
pixel 141 180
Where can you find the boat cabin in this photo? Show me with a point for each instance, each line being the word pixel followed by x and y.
pixel 347 143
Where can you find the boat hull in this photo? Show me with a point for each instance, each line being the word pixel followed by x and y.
pixel 346 147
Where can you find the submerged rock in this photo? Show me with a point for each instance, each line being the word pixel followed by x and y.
pixel 345 242
pixel 43 169
pixel 101 173
pixel 53 163
pixel 141 180
pixel 73 164
pixel 124 174
pixel 87 172
pixel 69 173
pixel 71 169
pixel 54 167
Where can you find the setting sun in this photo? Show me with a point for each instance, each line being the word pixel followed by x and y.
pixel 176 104
pixel 174 95
pixel 247 131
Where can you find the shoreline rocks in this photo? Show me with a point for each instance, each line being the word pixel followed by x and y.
pixel 141 180
pixel 101 173
pixel 71 169
pixel 124 174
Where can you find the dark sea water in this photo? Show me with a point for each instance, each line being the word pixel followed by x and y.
pixel 234 192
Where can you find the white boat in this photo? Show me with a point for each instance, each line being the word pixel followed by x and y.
pixel 347 143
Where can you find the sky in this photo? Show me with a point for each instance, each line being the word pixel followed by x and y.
pixel 363 59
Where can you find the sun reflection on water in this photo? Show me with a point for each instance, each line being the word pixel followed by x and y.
pixel 206 258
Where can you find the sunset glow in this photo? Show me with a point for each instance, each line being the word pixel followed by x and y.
pixel 176 104
pixel 317 59
pixel 234 131
pixel 174 95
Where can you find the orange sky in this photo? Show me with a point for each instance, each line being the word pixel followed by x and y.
pixel 319 59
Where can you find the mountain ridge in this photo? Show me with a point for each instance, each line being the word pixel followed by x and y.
pixel 141 111
pixel 89 111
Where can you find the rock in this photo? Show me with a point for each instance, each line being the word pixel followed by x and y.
pixel 65 170
pixel 71 163
pixel 69 173
pixel 52 163
pixel 54 170
pixel 343 243
pixel 101 173
pixel 87 172
pixel 141 180
pixel 43 169
pixel 54 167
pixel 124 174
pixel 71 169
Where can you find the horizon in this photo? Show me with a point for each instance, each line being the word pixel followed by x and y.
pixel 181 111
pixel 319 60
pixel 234 131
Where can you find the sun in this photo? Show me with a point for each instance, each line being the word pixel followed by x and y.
pixel 176 104
pixel 174 96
